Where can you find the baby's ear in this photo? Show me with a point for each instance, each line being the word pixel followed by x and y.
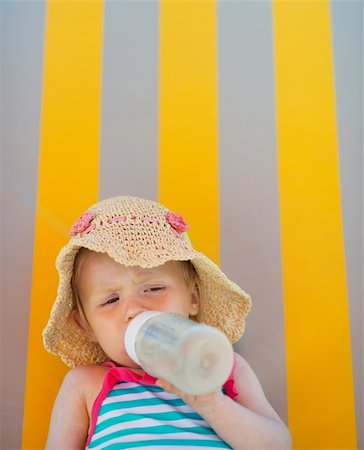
pixel 82 324
pixel 195 300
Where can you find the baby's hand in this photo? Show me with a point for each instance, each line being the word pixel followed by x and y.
pixel 202 404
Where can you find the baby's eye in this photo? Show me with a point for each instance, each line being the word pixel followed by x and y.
pixel 111 301
pixel 154 289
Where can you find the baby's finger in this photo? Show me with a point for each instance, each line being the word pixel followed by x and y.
pixel 167 386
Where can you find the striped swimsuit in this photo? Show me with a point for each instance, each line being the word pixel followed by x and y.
pixel 132 412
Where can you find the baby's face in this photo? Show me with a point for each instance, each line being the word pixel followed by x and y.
pixel 112 294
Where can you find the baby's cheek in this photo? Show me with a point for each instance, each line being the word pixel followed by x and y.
pixel 174 304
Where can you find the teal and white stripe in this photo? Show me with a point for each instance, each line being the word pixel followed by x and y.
pixel 135 416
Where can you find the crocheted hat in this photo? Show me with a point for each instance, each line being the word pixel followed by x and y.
pixel 137 232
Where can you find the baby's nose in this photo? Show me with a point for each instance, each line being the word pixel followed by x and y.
pixel 134 306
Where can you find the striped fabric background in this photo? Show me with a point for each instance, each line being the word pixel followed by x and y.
pixel 245 117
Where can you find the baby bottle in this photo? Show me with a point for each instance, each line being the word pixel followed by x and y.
pixel 195 357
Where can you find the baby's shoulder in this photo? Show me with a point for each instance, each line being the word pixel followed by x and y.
pixel 86 381
pixel 241 363
pixel 86 374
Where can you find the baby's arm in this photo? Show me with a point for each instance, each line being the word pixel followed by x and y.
pixel 246 423
pixel 69 422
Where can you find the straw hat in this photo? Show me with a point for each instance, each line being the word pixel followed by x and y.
pixel 140 232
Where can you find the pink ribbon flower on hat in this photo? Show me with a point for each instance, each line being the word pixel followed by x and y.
pixel 83 224
pixel 177 222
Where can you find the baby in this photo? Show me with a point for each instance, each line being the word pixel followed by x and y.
pixel 128 255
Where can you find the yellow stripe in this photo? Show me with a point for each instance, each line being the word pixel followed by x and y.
pixel 67 182
pixel 319 367
pixel 188 180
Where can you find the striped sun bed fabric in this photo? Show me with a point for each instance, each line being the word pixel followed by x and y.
pixel 245 117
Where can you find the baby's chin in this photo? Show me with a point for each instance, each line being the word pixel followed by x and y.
pixel 128 363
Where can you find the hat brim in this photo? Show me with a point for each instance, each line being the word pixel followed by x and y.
pixel 224 305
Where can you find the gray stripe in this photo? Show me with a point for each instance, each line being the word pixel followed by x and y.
pixel 347 23
pixel 129 143
pixel 22 33
pixel 249 213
